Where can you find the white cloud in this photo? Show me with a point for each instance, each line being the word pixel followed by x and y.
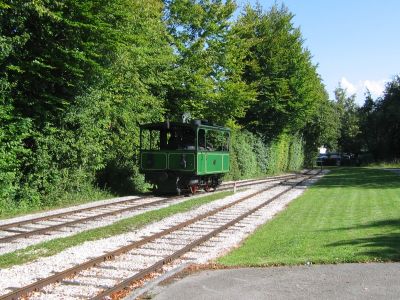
pixel 351 88
pixel 376 87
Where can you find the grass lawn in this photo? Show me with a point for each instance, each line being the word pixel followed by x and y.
pixel 393 164
pixel 350 215
pixel 57 245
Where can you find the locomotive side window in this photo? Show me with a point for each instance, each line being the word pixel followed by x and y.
pixel 188 139
pixel 174 140
pixel 202 140
pixel 217 140
pixel 226 141
pixel 150 139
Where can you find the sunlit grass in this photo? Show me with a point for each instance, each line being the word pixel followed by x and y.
pixel 351 215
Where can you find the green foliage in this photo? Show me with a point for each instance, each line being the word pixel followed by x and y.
pixel 107 116
pixel 371 131
pixel 380 123
pixel 348 115
pixel 78 77
pixel 86 123
pixel 207 81
pixel 285 154
pixel 60 47
pixel 251 157
pixel 243 158
pixel 13 131
pixel 322 129
pixel 288 87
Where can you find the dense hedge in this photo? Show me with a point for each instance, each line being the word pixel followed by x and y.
pixel 252 157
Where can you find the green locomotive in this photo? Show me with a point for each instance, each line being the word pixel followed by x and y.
pixel 184 157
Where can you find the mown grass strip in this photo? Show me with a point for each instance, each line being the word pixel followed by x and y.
pixel 57 245
pixel 350 215
pixel 385 164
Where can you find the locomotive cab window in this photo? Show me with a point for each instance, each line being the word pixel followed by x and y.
pixel 201 138
pixel 150 139
pixel 174 138
pixel 188 139
pixel 217 140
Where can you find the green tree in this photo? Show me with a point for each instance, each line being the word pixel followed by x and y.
pixel 62 46
pixel 288 87
pixel 105 120
pixel 208 81
pixel 347 110
pixel 86 73
pixel 387 114
pixel 368 125
pixel 13 131
pixel 322 130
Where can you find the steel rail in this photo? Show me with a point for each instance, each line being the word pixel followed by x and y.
pixel 129 200
pixel 77 221
pixel 25 234
pixel 126 283
pixel 36 286
pixel 57 215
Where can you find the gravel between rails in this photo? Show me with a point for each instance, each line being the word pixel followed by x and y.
pixel 143 257
pixel 228 239
pixel 67 209
pixel 68 231
pixel 45 266
pixel 93 204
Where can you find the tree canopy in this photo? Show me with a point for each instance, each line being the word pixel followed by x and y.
pixel 288 87
pixel 78 77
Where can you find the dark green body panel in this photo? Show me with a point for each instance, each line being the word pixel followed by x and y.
pixel 177 157
pixel 212 162
pixel 198 163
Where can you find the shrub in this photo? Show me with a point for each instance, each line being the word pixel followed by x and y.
pixel 252 157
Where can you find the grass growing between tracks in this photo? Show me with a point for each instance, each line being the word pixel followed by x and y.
pixel 350 215
pixel 55 246
pixel 11 210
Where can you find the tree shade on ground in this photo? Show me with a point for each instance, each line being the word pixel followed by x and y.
pixel 350 215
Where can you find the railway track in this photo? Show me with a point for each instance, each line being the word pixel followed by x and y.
pixel 100 277
pixel 44 225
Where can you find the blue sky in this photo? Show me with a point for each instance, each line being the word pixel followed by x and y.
pixel 355 42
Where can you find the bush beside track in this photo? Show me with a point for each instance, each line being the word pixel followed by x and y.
pixel 251 157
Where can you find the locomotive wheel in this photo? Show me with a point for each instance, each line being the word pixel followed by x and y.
pixel 208 188
pixel 193 189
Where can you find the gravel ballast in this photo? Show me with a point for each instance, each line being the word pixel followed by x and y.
pixel 22 243
pixel 46 266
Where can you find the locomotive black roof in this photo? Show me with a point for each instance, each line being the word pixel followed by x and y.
pixel 193 124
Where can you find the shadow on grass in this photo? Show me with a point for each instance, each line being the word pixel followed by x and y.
pixel 360 177
pixel 385 247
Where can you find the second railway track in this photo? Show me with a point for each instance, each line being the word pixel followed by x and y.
pixel 117 269
pixel 45 225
